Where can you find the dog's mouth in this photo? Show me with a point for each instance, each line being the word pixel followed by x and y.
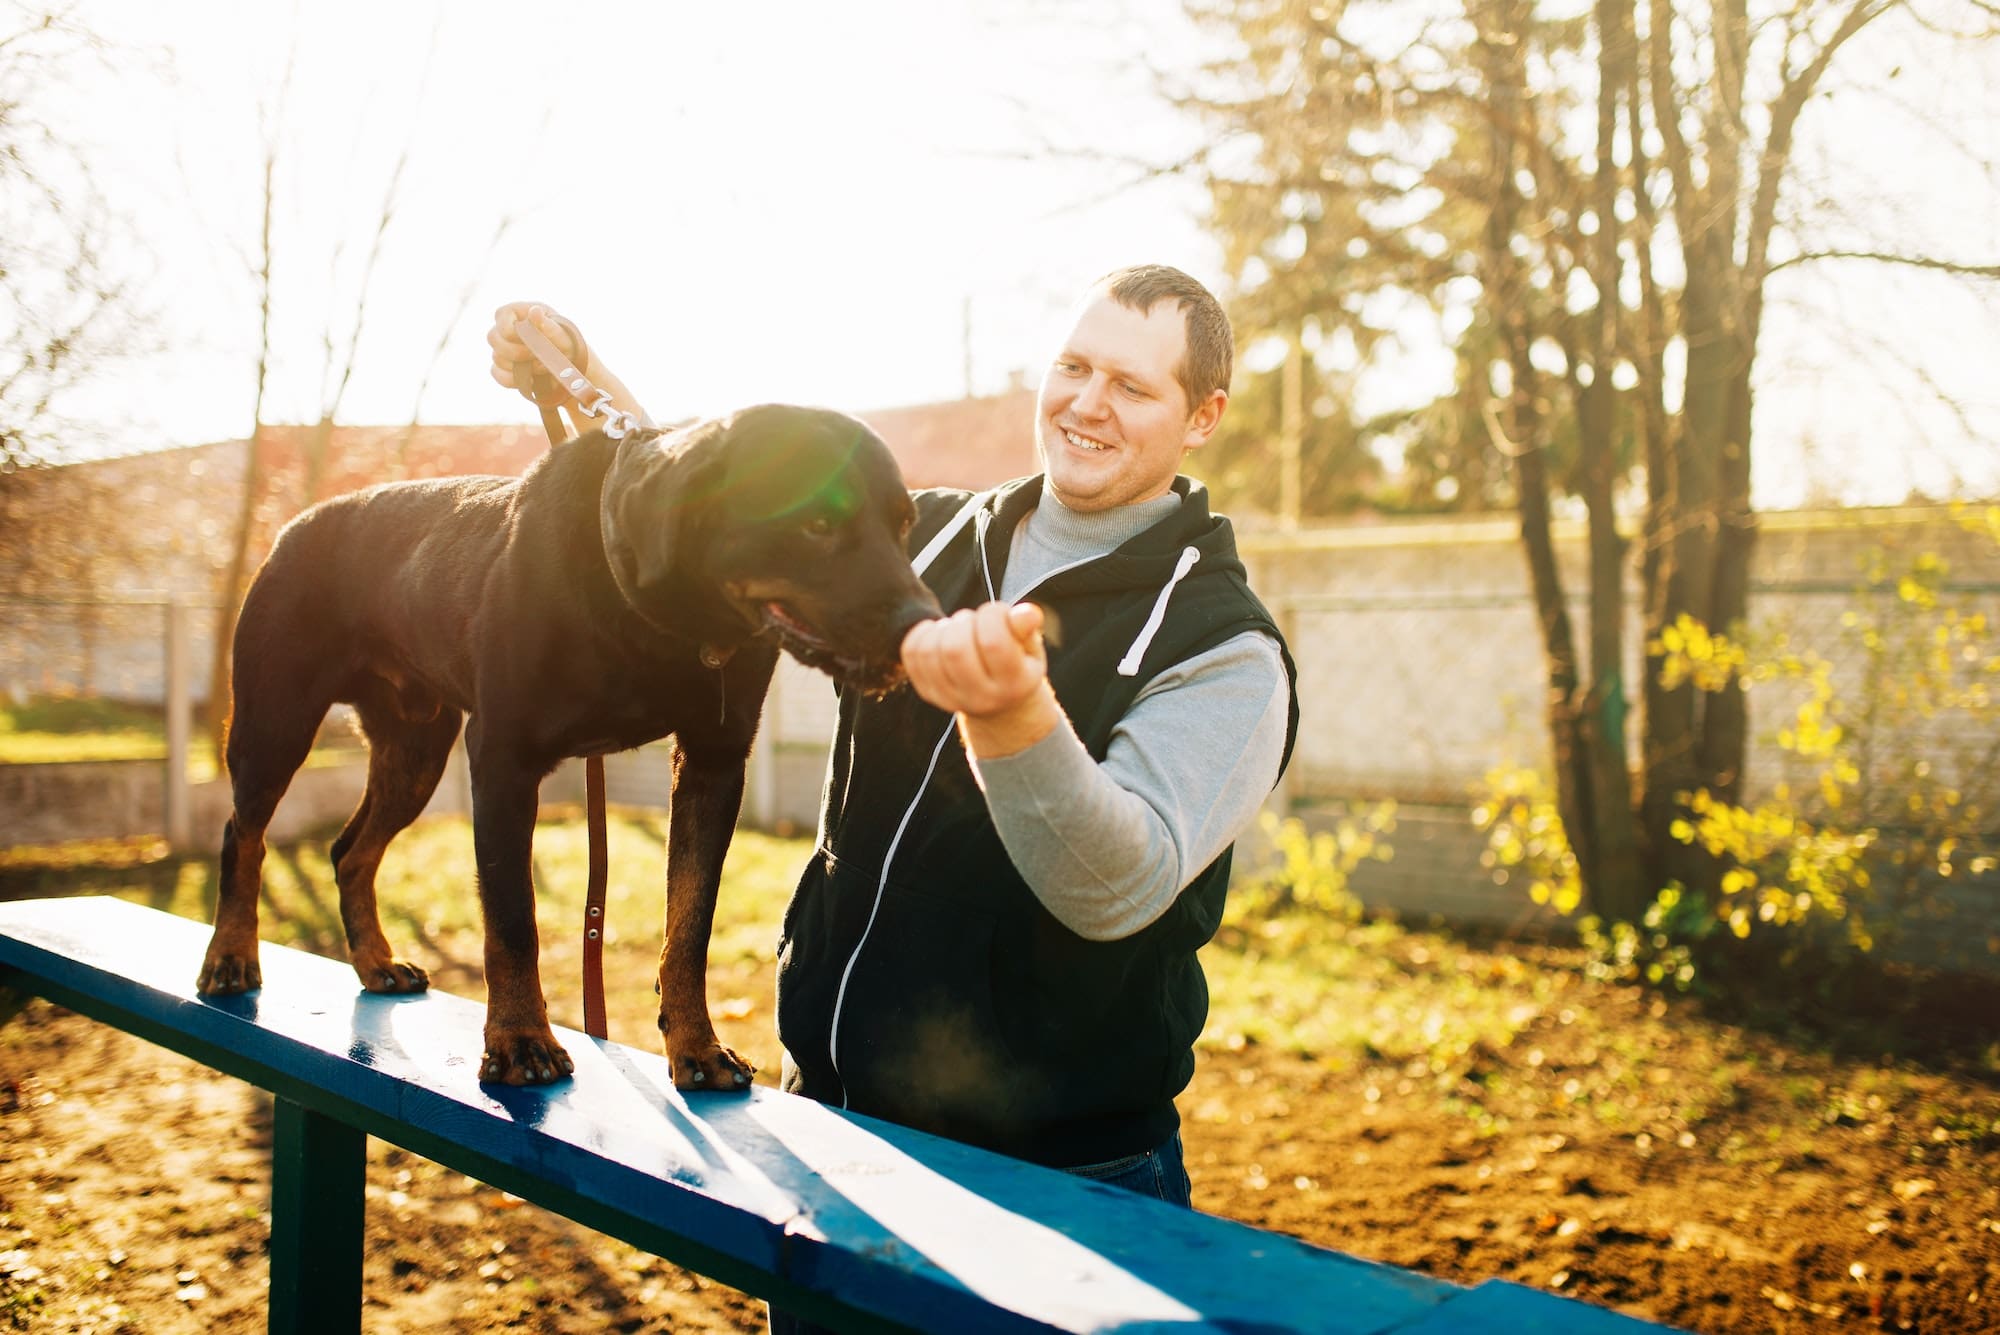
pixel 805 642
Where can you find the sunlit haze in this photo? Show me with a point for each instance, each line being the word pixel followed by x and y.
pixel 852 205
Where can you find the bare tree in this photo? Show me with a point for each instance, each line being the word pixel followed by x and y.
pixel 272 493
pixel 236 573
pixel 67 309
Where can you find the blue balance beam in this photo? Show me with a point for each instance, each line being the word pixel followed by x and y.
pixel 847 1220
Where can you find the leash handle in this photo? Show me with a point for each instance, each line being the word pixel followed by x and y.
pixel 587 398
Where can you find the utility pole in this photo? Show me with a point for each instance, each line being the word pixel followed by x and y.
pixel 1291 432
pixel 965 340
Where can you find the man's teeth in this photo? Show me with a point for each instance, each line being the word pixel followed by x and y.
pixel 1083 442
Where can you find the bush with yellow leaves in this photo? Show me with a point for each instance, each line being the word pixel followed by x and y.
pixel 1890 792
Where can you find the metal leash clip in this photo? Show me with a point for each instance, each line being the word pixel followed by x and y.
pixel 591 400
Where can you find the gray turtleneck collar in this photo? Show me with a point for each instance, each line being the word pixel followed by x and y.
pixel 1054 536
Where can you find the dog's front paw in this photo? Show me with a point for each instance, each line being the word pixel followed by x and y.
pixel 523 1057
pixel 391 976
pixel 226 973
pixel 716 1067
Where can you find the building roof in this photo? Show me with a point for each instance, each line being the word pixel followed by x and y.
pixel 166 520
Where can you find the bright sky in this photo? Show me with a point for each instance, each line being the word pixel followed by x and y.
pixel 736 203
pixel 790 201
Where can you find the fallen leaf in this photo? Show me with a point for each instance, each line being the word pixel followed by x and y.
pixel 1911 1188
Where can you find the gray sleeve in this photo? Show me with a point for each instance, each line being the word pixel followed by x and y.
pixel 1108 847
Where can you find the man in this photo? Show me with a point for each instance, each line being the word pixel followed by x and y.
pixel 1018 859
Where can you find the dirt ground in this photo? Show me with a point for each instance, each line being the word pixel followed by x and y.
pixel 134 1185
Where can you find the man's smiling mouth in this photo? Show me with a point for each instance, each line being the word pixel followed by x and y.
pixel 1084 442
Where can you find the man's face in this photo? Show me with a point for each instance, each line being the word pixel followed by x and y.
pixel 1113 422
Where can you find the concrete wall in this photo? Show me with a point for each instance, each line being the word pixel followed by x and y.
pixel 1420 670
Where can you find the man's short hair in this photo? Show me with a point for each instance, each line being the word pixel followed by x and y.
pixel 1205 367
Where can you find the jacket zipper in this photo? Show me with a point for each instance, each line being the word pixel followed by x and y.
pixel 928 555
pixel 983 520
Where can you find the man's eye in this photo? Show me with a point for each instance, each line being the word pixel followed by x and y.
pixel 820 526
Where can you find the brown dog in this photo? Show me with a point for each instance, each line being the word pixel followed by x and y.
pixel 617 592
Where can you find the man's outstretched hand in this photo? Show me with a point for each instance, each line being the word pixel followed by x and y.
pixel 987 665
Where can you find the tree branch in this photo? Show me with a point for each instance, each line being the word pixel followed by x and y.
pixel 1885 257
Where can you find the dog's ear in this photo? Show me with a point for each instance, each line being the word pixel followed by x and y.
pixel 655 495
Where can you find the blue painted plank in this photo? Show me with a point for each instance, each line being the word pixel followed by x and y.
pixel 1499 1304
pixel 845 1216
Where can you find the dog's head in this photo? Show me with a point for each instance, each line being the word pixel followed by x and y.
pixel 775 520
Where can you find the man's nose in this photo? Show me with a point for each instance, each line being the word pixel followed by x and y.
pixel 1093 399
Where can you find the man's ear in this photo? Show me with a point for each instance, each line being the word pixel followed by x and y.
pixel 658 487
pixel 1204 419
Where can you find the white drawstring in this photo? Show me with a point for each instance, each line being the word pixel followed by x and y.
pixel 1128 666
pixel 943 538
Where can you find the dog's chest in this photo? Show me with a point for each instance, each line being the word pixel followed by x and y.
pixel 622 714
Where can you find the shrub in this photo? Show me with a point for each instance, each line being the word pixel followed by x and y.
pixel 1311 869
pixel 1891 789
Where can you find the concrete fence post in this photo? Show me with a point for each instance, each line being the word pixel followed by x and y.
pixel 762 797
pixel 1284 796
pixel 180 712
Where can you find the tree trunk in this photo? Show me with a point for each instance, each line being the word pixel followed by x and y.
pixel 1617 889
pixel 1521 432
pixel 230 596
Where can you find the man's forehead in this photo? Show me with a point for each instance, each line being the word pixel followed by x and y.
pixel 1108 331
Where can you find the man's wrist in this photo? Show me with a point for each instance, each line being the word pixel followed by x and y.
pixel 1009 731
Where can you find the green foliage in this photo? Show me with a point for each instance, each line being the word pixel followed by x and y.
pixel 70 727
pixel 1889 794
pixel 1313 868
pixel 77 727
pixel 1524 834
pixel 1660 949
pixel 1296 965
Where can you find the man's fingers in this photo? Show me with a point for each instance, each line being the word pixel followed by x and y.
pixel 1025 620
pixel 558 330
pixel 1008 659
pixel 957 661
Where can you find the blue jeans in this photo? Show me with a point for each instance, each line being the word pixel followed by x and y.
pixel 1160 1173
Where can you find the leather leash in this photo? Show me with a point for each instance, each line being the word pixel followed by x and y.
pixel 570 389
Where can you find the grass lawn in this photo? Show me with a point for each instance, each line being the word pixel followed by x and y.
pixel 51 729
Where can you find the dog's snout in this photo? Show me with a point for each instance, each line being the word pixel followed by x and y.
pixel 920 604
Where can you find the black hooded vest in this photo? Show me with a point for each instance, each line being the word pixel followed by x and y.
pixel 919 978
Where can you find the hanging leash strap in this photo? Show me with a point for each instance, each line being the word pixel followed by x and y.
pixel 556 383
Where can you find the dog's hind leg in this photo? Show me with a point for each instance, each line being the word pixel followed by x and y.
pixel 270 732
pixel 406 757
